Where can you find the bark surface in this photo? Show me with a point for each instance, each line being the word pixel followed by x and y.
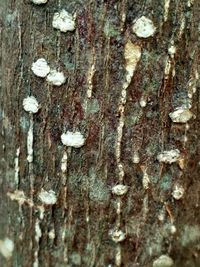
pixel 125 130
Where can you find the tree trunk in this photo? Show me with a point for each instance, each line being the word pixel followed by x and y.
pixel 122 91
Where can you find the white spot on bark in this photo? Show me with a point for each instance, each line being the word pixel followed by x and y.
pixel 47 197
pixel 63 21
pixel 17 166
pixel 172 50
pixel 117 235
pixel 142 102
pixel 120 189
pixel 163 261
pixel 6 247
pixel 39 2
pixel 166 9
pixel 181 115
pixel 30 142
pixel 52 234
pixel 144 27
pixel 64 162
pixel 136 158
pixel 118 256
pixel 178 192
pixel 38 234
pixel 56 78
pixel 145 179
pixel 169 156
pixel 73 139
pixel 30 104
pixel 40 68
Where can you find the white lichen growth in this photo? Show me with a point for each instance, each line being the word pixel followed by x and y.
pixel 169 156
pixel 163 261
pixel 117 235
pixel 120 189
pixel 181 115
pixel 73 139
pixel 172 50
pixel 178 192
pixel 144 27
pixel 40 68
pixel 6 247
pixel 30 104
pixel 39 2
pixel 56 78
pixel 63 21
pixel 47 197
pixel 20 197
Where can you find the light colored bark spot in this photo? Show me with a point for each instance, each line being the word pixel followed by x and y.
pixel 39 2
pixel 30 104
pixel 117 235
pixel 56 78
pixel 6 247
pixel 63 21
pixel 73 139
pixel 144 27
pixel 47 197
pixel 163 261
pixel 120 189
pixel 178 192
pixel 181 115
pixel 169 156
pixel 40 68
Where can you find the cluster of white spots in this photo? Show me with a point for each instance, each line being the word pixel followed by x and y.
pixel 132 54
pixel 47 197
pixel 181 115
pixel 144 27
pixel 73 139
pixel 64 162
pixel 120 189
pixel 20 197
pixel 39 2
pixel 178 191
pixel 169 156
pixel 163 261
pixel 40 68
pixel 6 247
pixel 56 78
pixel 30 104
pixel 63 21
pixel 117 235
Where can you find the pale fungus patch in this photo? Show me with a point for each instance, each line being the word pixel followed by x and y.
pixel 178 192
pixel 56 78
pixel 120 189
pixel 30 104
pixel 73 139
pixel 181 115
pixel 144 27
pixel 117 235
pixel 169 156
pixel 47 197
pixel 39 2
pixel 163 261
pixel 40 68
pixel 6 247
pixel 63 21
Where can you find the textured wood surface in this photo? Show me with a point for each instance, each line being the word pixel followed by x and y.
pixel 76 230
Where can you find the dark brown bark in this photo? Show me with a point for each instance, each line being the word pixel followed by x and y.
pixel 85 210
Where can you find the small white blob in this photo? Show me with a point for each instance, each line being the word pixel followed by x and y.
pixel 178 192
pixel 39 2
pixel 56 78
pixel 172 50
pixel 30 104
pixel 74 139
pixel 144 27
pixel 6 247
pixel 40 68
pixel 117 235
pixel 163 261
pixel 181 115
pixel 169 156
pixel 63 21
pixel 48 197
pixel 120 189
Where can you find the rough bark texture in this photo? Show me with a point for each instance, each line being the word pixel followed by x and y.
pixel 76 230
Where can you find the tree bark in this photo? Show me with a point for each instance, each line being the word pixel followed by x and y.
pixel 126 125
